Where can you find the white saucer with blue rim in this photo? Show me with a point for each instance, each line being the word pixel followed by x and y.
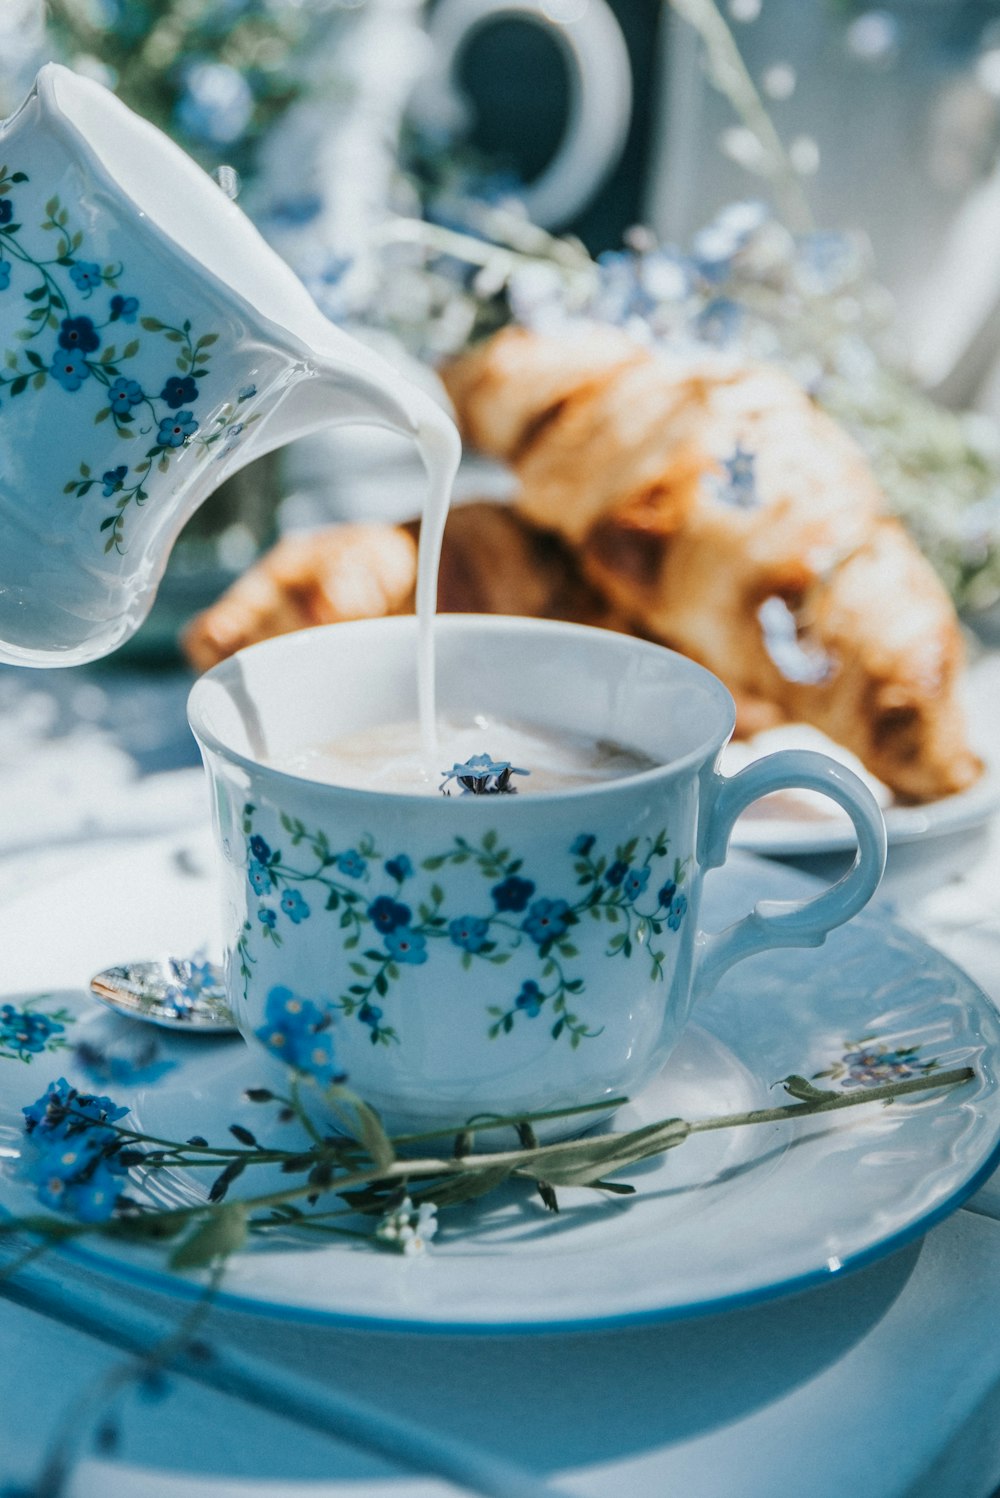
pixel 730 1217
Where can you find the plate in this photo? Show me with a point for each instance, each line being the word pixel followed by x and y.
pixel 801 822
pixel 731 1217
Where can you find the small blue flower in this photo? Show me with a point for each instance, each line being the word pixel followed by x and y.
pixel 175 430
pixel 86 275
pixel 677 908
pixel 4 274
pixel 62 1109
pixel 737 487
pixel 294 906
pixel 512 893
pixel 95 1198
pixel 635 882
pixel 298 1032
pixel 79 333
pixel 718 323
pixel 114 479
pixel 399 868
pixel 259 876
pixel 124 308
pixel 482 776
pixel 247 393
pixel 405 945
pixel 666 894
pixel 387 914
pixel 616 873
pixel 25 1031
pixel 178 391
pixel 529 999
pixel 370 1014
pixel 72 1159
pixel 123 395
pixel 70 368
pixel 469 932
pixel 352 864
pixel 547 921
pixel 267 917
pixel 582 845
pixel 6 210
pixel 260 848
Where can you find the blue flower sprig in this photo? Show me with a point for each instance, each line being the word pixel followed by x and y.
pixel 90 1169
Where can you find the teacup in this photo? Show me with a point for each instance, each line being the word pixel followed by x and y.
pixel 466 956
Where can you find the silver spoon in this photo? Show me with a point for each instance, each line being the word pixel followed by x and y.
pixel 175 993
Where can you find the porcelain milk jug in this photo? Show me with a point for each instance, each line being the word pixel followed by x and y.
pixel 151 343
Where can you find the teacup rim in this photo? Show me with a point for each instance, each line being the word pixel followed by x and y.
pixel 706 752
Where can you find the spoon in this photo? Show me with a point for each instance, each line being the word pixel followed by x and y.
pixel 175 993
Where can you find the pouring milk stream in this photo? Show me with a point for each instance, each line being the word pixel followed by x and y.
pixel 152 343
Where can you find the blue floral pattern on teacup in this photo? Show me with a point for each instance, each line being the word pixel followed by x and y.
pixel 389 914
pixel 51 278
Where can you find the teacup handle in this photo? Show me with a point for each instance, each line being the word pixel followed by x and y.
pixel 600 101
pixel 788 923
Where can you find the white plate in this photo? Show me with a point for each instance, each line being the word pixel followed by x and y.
pixel 804 823
pixel 729 1218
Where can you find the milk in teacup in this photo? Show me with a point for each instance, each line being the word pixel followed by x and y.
pixel 391 757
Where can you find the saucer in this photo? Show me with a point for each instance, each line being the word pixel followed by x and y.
pixel 728 1218
pixel 803 823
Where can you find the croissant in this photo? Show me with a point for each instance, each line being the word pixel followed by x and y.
pixel 491 562
pixel 718 510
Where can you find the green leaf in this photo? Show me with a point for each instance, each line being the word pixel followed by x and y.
pixel 102 415
pixel 207 340
pixel 489 840
pixel 364 1123
pixel 152 324
pixel 36 295
pixel 433 863
pixel 52 207
pixel 174 336
pixel 220 1235
pixel 437 894
pixel 18 385
pixel 799 1088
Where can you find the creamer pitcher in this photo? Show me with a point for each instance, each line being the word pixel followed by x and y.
pixel 151 344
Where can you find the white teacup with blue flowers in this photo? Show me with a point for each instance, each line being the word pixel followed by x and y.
pixel 459 956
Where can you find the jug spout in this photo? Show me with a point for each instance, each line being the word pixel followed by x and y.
pixel 340 382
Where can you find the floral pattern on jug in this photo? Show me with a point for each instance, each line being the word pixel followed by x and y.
pixel 393 915
pixel 86 355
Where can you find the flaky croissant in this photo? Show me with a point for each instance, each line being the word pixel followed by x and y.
pixel 492 562
pixel 718 510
